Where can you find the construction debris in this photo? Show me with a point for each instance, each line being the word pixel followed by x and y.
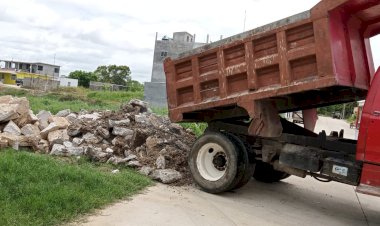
pixel 132 136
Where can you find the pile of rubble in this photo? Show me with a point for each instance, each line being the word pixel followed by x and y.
pixel 131 136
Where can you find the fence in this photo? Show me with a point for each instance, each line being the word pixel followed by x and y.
pixel 106 86
pixel 40 84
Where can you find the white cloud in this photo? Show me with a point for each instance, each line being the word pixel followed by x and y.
pixel 84 34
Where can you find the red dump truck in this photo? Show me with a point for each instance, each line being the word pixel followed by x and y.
pixel 241 84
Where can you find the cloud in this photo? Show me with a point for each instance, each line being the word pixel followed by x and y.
pixel 83 34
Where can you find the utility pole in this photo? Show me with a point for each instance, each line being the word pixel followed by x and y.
pixel 245 18
pixel 344 111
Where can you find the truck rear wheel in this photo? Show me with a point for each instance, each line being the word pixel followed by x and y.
pixel 264 172
pixel 245 166
pixel 213 162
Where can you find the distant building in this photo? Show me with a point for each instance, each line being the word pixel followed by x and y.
pixel 155 91
pixel 68 82
pixel 10 71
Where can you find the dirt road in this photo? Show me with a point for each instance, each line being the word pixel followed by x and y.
pixel 294 201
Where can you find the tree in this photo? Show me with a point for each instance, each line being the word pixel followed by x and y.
pixel 83 77
pixel 119 75
pixel 135 86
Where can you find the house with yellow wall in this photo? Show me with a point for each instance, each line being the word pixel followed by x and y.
pixel 11 71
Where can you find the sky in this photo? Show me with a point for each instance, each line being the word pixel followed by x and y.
pixel 83 34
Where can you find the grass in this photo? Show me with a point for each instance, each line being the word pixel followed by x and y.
pixel 196 127
pixel 40 190
pixel 75 99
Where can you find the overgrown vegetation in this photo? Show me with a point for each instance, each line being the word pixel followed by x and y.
pixel 75 99
pixel 197 128
pixel 330 110
pixel 111 74
pixel 40 190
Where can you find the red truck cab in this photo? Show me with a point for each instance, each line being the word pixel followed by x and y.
pixel 368 146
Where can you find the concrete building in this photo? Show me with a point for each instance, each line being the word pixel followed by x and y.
pixel 31 67
pixel 11 71
pixel 68 82
pixel 155 90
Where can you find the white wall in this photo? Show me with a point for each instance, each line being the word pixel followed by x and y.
pixel 68 82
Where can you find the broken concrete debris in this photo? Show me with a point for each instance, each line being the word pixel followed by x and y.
pixel 132 136
pixel 12 128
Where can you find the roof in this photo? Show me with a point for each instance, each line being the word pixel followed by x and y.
pixel 24 62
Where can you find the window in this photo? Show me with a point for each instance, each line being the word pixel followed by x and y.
pixel 187 38
pixel 56 70
pixel 13 77
pixel 164 54
pixel 40 68
pixel 69 84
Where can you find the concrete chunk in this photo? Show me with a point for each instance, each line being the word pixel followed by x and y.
pixel 43 146
pixel 120 131
pixel 22 110
pixel 91 138
pixel 134 164
pixel 32 117
pixel 146 170
pixel 161 162
pixel 59 150
pixel 77 141
pixel 90 117
pixel 50 128
pixel 43 118
pixel 6 99
pixel 7 113
pixel 30 129
pixel 61 122
pixel 67 144
pixel 124 122
pixel 71 117
pixel 166 176
pixel 63 113
pixel 139 103
pixel 142 118
pixel 12 128
pixel 103 132
pixel 75 151
pixel 58 137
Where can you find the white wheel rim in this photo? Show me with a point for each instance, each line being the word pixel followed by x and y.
pixel 205 164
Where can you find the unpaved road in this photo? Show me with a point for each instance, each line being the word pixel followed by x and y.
pixel 294 201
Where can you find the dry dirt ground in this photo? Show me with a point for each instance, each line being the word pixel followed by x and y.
pixel 294 201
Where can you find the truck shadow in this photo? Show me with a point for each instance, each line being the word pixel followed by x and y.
pixel 293 195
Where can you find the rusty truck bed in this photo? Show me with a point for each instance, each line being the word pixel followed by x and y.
pixel 315 58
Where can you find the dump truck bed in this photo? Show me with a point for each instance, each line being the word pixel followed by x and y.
pixel 312 59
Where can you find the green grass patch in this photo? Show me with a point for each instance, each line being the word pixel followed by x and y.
pixel 120 96
pixel 197 127
pixel 161 111
pixel 40 190
pixel 75 99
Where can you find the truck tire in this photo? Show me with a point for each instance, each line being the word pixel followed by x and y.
pixel 246 167
pixel 264 172
pixel 213 162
